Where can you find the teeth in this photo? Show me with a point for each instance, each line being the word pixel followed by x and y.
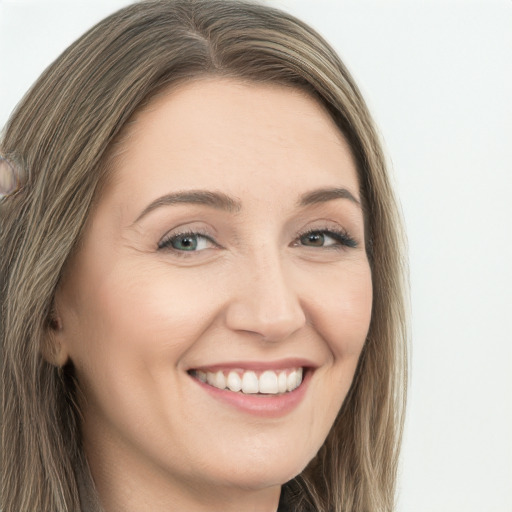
pixel 269 382
pixel 291 380
pixel 249 383
pixel 282 385
pixel 234 382
pixel 220 380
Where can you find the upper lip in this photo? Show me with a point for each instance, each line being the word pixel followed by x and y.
pixel 279 364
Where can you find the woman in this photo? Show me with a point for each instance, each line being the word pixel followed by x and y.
pixel 202 287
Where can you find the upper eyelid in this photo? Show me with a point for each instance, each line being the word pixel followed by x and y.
pixel 324 225
pixel 189 228
pixel 326 229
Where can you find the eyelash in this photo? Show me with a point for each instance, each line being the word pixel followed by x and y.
pixel 166 242
pixel 341 236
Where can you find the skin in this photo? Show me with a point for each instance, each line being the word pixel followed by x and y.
pixel 134 318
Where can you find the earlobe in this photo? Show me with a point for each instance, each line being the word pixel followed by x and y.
pixel 55 323
pixel 53 348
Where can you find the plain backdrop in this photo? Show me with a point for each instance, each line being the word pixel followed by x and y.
pixel 437 76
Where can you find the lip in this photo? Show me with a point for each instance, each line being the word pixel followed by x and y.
pixel 265 406
pixel 281 364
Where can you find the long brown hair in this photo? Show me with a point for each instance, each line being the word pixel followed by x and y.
pixel 61 135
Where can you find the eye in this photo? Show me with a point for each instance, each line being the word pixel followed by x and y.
pixel 326 238
pixel 186 242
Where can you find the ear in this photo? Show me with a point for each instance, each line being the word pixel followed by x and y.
pixel 53 348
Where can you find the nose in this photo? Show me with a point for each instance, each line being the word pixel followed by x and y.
pixel 265 301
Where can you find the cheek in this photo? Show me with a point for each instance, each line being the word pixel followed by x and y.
pixel 133 330
pixel 343 311
pixel 142 313
pixel 132 327
pixel 340 314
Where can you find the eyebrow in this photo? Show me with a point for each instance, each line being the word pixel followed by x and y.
pixel 217 200
pixel 324 195
pixel 221 201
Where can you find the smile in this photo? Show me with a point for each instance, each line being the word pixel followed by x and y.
pixel 267 382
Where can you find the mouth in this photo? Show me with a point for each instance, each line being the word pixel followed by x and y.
pixel 271 389
pixel 252 382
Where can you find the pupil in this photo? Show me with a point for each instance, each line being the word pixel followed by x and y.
pixel 315 239
pixel 188 243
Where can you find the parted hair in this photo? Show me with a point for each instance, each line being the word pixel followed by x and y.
pixel 60 139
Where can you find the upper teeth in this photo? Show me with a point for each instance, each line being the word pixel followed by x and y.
pixel 268 382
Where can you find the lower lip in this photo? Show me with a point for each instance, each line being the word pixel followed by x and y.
pixel 269 406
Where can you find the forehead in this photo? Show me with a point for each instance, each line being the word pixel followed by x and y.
pixel 227 134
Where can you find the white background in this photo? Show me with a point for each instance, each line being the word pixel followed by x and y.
pixel 438 78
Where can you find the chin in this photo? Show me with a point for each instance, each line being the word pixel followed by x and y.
pixel 264 472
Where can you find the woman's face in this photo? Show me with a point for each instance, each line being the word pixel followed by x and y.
pixel 229 246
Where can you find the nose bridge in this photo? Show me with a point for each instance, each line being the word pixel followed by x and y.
pixel 266 300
